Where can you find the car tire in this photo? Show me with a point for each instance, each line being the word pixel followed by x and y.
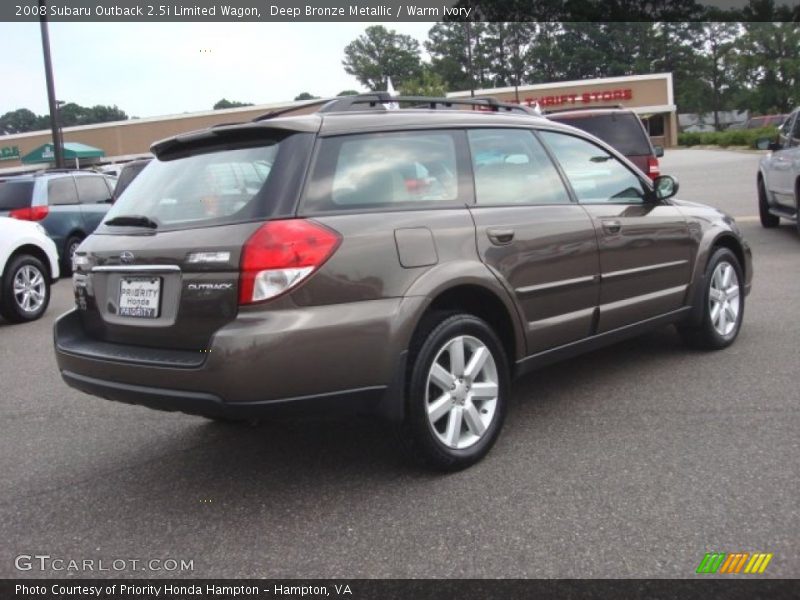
pixel 70 246
pixel 723 304
pixel 451 429
pixel 768 220
pixel 797 205
pixel 24 290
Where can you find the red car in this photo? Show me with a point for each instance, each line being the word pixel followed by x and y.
pixel 622 129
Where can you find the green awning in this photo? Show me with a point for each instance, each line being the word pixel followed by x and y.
pixel 72 151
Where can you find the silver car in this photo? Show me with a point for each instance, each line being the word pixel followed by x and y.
pixel 779 176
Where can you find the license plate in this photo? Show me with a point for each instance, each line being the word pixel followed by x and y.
pixel 139 297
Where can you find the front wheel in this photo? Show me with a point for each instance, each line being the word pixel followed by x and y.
pixel 768 220
pixel 797 205
pixel 723 304
pixel 25 291
pixel 457 392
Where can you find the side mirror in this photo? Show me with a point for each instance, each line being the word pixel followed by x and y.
pixel 659 151
pixel 665 186
pixel 764 143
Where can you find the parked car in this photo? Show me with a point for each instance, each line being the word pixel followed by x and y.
pixel 68 204
pixel 28 266
pixel 622 129
pixel 128 173
pixel 766 121
pixel 778 180
pixel 402 263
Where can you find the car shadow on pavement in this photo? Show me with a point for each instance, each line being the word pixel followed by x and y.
pixel 238 462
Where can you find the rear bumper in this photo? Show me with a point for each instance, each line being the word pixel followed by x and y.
pixel 339 358
pixel 357 401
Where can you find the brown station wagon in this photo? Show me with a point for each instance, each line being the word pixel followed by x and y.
pixel 402 263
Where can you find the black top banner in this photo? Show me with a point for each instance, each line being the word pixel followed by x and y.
pixel 398 10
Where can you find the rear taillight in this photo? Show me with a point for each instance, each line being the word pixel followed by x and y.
pixel 32 213
pixel 652 167
pixel 281 254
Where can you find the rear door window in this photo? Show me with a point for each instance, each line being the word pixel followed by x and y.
pixel 621 131
pixel 512 167
pixel 15 194
pixel 595 175
pixel 61 190
pixel 385 171
pixel 92 190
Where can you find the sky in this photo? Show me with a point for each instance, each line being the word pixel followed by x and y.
pixel 168 68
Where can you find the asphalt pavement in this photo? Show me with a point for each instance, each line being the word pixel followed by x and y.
pixel 631 461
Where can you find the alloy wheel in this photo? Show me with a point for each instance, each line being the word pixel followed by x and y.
pixel 29 288
pixel 724 299
pixel 461 392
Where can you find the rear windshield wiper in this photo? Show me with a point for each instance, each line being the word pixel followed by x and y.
pixel 133 221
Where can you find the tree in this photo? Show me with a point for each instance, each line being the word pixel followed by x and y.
pixel 769 64
pixel 428 83
pixel 18 121
pixel 348 93
pixel 230 104
pixel 447 46
pixel 677 50
pixel 718 61
pixel 461 54
pixel 381 53
pixel 544 58
pixel 507 46
pixel 72 114
pixel 305 96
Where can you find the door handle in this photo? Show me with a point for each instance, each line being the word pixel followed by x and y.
pixel 500 237
pixel 612 226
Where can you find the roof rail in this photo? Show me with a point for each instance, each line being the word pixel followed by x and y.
pixel 54 170
pixel 283 111
pixel 577 108
pixel 378 99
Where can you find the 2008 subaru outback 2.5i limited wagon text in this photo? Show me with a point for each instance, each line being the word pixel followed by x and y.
pixel 404 263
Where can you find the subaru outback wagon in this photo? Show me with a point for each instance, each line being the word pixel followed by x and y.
pixel 400 263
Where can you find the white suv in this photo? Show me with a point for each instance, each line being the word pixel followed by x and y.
pixel 779 176
pixel 28 265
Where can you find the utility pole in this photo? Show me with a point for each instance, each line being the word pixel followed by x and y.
pixel 58 143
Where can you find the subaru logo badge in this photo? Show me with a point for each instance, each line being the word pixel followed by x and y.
pixel 126 258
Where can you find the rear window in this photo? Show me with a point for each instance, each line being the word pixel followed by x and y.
pixel 210 188
pixel 384 171
pixel 621 131
pixel 128 174
pixel 93 190
pixel 15 194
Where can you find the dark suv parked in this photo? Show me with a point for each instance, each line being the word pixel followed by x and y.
pixel 68 204
pixel 622 129
pixel 404 263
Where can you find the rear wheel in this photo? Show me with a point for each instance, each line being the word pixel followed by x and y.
pixel 723 304
pixel 24 290
pixel 768 220
pixel 457 392
pixel 70 246
pixel 797 205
